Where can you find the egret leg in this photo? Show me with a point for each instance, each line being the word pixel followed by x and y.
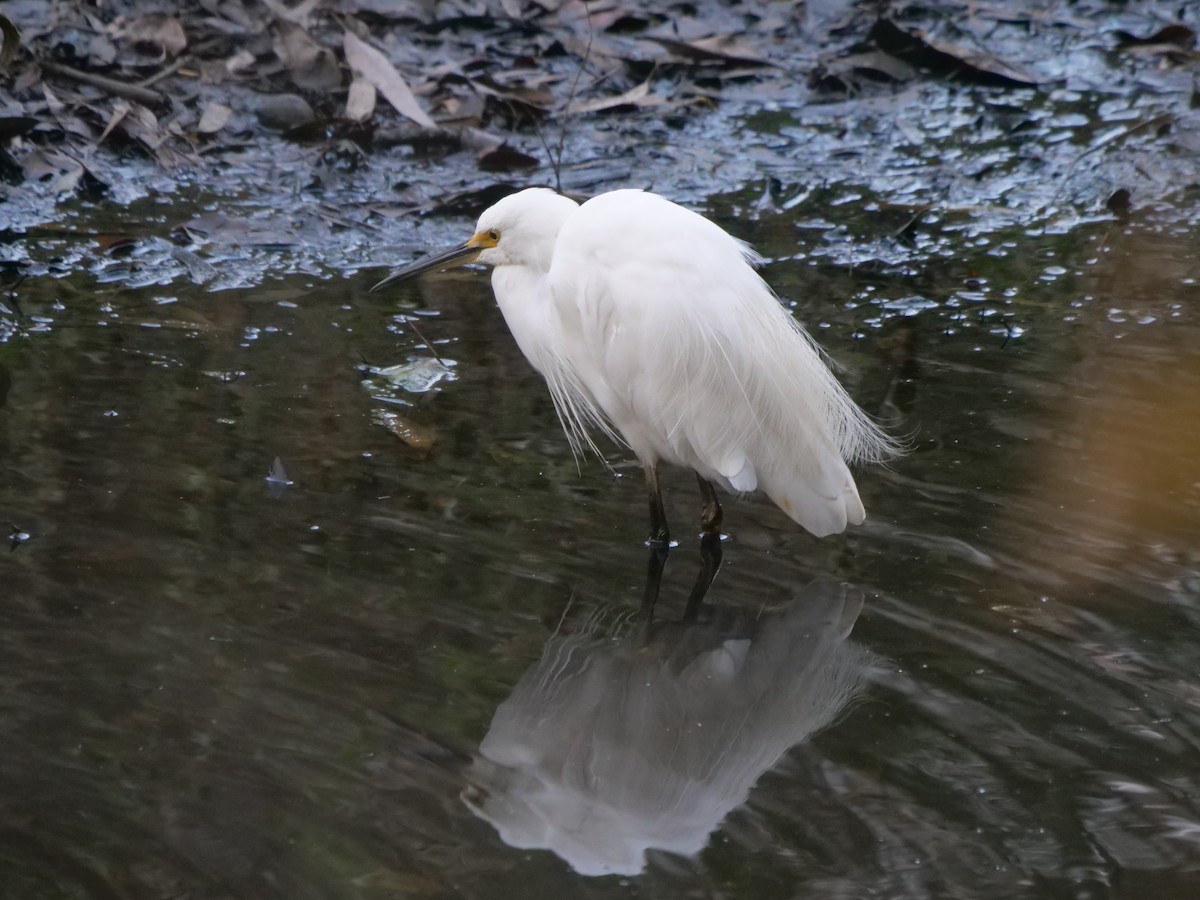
pixel 711 514
pixel 710 548
pixel 659 535
pixel 659 542
pixel 654 571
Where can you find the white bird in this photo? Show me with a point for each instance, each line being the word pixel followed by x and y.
pixel 650 325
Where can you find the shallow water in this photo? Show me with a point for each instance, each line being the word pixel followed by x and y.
pixel 358 677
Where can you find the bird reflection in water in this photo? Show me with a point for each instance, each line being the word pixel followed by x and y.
pixel 647 735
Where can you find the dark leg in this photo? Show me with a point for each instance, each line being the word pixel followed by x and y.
pixel 659 541
pixel 654 571
pixel 658 516
pixel 710 548
pixel 710 509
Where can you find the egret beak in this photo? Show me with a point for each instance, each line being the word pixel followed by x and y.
pixel 456 256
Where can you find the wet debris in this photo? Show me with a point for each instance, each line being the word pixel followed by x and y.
pixel 1170 36
pixel 418 437
pixel 942 57
pixel 417 376
pixel 1118 203
pixel 277 478
pixel 16 537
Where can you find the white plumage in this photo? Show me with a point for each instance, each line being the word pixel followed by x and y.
pixel 650 324
pixel 613 743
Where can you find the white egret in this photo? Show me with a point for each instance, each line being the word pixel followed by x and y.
pixel 651 326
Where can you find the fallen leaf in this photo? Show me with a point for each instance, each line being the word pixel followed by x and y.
pixel 372 65
pixel 360 101
pixel 284 111
pixel 312 67
pixel 1179 35
pixel 417 376
pixel 162 33
pixel 101 53
pixel 472 203
pixel 635 96
pixel 10 40
pixel 297 15
pixel 939 56
pixel 722 48
pixel 416 436
pixel 277 478
pixel 67 181
pixel 214 118
pixel 1118 203
pixel 231 231
pixel 536 99
pixel 241 61
pixel 504 159
pixel 15 126
pixel 879 65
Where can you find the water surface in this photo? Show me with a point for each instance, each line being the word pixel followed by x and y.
pixel 420 638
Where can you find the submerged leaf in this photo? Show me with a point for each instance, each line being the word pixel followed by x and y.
pixel 416 436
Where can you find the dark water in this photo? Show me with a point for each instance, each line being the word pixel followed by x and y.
pixel 362 683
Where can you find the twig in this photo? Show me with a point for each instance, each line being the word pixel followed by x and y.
pixel 174 67
pixel 142 95
pixel 556 158
pixel 428 346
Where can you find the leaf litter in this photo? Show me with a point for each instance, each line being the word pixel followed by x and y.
pixel 273 112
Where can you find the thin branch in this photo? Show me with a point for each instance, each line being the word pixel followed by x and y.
pixel 141 95
pixel 556 159
pixel 428 346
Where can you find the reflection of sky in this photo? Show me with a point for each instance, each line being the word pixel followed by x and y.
pixel 614 745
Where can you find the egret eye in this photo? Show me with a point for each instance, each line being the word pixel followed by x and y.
pixel 493 234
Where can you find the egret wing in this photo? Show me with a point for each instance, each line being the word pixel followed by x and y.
pixel 687 352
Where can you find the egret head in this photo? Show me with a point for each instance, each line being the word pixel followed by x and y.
pixel 519 230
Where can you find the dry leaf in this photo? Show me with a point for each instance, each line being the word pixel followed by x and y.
pixel 1176 35
pixel 360 102
pixel 636 96
pixel 120 110
pixel 162 32
pixel 962 62
pixel 505 159
pixel 68 181
pixel 240 62
pixel 372 65
pixel 214 118
pixel 298 15
pixel 284 111
pixel 721 48
pixel 10 40
pixel 312 66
